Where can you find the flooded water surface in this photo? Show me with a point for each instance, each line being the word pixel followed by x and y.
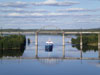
pixel 49 63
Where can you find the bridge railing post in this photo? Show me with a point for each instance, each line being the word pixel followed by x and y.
pixel 63 44
pixel 99 45
pixel 36 44
pixel 81 45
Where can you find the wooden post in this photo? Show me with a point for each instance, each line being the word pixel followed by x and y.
pixel 36 44
pixel 99 45
pixel 81 45
pixel 63 45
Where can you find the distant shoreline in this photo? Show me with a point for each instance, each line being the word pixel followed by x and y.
pixel 34 30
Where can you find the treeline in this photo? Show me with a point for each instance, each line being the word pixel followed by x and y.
pixel 34 30
pixel 89 41
pixel 12 42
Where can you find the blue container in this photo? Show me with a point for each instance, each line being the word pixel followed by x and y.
pixel 49 47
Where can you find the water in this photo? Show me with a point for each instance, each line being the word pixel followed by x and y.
pixel 53 64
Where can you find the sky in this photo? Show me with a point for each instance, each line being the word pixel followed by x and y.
pixel 37 14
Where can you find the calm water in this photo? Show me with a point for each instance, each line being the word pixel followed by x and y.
pixel 52 66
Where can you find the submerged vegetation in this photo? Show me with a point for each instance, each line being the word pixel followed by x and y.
pixel 90 42
pixel 12 42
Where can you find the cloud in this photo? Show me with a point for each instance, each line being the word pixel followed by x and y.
pixel 55 3
pixel 78 10
pixel 20 10
pixel 20 4
pixel 14 4
pixel 52 14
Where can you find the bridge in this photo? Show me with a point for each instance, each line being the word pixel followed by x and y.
pixel 57 31
pixel 63 39
pixel 46 31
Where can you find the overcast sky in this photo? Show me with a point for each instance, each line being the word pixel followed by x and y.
pixel 64 14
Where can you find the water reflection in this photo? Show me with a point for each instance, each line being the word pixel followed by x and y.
pixel 86 48
pixel 89 42
pixel 28 41
pixel 96 63
pixel 50 61
pixel 11 53
pixel 33 50
pixel 68 65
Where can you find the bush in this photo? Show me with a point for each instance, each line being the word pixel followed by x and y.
pixel 12 42
pixel 87 39
pixel 90 42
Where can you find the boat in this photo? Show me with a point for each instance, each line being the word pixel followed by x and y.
pixel 49 46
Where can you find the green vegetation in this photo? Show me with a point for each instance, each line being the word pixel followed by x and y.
pixel 11 53
pixel 87 40
pixel 90 42
pixel 34 30
pixel 12 42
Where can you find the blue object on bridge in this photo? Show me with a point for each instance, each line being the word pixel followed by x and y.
pixel 49 46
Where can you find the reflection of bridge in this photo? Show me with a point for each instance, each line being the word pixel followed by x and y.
pixel 50 61
pixel 51 58
pixel 46 60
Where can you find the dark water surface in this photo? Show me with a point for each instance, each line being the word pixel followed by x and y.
pixel 53 66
